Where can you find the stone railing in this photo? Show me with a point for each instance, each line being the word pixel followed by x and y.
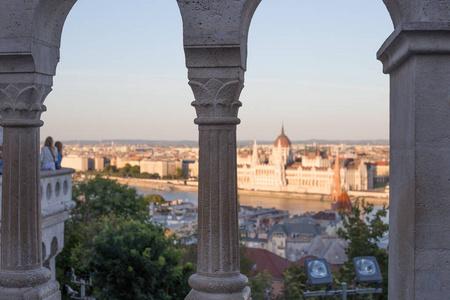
pixel 56 202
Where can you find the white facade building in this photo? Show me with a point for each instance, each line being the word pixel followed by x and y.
pixel 313 175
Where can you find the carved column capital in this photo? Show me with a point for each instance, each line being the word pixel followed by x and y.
pixel 216 100
pixel 21 104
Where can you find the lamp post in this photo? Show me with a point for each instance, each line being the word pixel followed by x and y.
pixel 318 273
pixel 84 281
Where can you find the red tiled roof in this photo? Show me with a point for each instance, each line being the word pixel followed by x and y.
pixel 265 260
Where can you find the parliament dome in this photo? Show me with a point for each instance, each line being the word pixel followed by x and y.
pixel 282 139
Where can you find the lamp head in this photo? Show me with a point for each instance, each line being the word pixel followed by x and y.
pixel 367 270
pixel 318 272
pixel 85 275
pixel 68 272
pixel 67 290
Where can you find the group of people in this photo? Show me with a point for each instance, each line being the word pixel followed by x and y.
pixel 51 155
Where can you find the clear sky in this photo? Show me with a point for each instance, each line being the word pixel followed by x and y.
pixel 311 65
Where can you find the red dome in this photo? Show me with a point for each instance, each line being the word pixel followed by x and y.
pixel 283 140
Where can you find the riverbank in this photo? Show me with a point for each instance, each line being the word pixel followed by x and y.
pixel 182 185
pixel 156 184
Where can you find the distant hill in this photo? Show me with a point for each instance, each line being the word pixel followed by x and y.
pixel 135 142
pixel 240 143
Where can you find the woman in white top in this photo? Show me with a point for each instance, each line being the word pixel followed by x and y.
pixel 48 155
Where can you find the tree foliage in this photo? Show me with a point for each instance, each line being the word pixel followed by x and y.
pixel 178 175
pixel 294 282
pixel 111 226
pixel 363 229
pixel 104 197
pixel 129 171
pixel 126 171
pixel 134 260
pixel 155 198
pixel 261 285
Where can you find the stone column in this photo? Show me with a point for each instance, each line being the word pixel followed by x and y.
pixel 216 102
pixel 215 44
pixel 417 57
pixel 22 275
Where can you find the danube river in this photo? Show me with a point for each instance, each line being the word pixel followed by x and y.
pixel 295 206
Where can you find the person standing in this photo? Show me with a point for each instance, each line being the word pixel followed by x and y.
pixel 49 157
pixel 58 146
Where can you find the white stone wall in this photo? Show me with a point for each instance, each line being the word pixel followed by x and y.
pixel 56 202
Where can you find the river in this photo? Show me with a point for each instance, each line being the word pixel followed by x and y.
pixel 295 206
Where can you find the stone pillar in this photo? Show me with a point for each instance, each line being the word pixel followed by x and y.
pixel 417 57
pixel 215 44
pixel 218 270
pixel 22 275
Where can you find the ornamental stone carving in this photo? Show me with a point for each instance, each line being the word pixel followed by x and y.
pixel 22 101
pixel 216 98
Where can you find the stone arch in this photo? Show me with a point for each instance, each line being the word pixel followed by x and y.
pixel 36 27
pixel 403 11
pixel 49 20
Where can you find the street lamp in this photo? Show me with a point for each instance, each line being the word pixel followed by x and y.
pixel 367 270
pixel 318 273
pixel 85 281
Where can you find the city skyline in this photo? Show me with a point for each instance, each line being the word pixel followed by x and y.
pixel 309 67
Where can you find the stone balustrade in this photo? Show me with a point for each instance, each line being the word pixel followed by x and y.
pixel 56 202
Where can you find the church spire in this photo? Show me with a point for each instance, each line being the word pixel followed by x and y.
pixel 255 156
pixel 336 188
pixel 340 200
pixel 282 128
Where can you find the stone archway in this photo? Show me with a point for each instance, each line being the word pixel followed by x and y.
pixel 215 42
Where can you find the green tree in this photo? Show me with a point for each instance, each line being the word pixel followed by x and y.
pixel 125 171
pixel 104 197
pixel 363 229
pixel 101 205
pixel 261 285
pixel 135 171
pixel 108 169
pixel 180 174
pixel 294 282
pixel 155 198
pixel 134 260
pixel 95 198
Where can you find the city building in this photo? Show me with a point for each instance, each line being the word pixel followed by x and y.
pixel 311 173
pixel 161 167
pixel 78 163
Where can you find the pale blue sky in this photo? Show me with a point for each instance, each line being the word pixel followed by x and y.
pixel 311 65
